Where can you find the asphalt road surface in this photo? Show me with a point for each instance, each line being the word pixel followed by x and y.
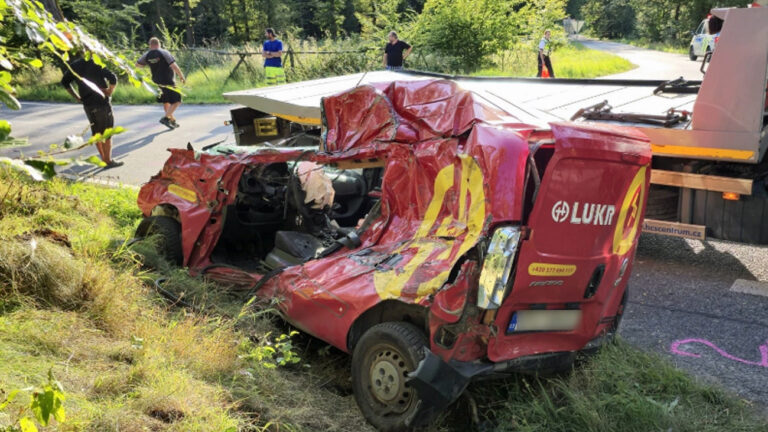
pixel 653 65
pixel 681 304
pixel 142 147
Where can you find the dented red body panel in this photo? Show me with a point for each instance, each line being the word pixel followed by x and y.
pixel 455 171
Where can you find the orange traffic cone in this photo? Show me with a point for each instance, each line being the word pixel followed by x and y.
pixel 544 72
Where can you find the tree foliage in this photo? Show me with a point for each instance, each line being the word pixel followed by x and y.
pixel 469 30
pixel 609 18
pixel 651 20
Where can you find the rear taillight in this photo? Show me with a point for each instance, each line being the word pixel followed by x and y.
pixel 497 267
pixel 717 38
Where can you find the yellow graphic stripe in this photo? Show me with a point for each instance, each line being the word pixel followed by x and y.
pixel 430 251
pixel 703 152
pixel 314 121
pixel 622 242
pixel 183 193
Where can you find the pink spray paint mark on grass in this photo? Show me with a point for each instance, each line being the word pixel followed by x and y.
pixel 675 349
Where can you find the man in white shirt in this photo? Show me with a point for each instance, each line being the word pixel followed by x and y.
pixel 543 56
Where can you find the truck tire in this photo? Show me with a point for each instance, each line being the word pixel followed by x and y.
pixel 381 360
pixel 168 231
pixel 742 221
pixel 662 203
pixel 691 54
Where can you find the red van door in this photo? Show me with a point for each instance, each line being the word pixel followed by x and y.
pixel 573 268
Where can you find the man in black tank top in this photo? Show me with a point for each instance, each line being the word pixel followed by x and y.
pixel 163 67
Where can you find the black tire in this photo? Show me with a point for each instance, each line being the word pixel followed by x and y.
pixel 390 350
pixel 691 55
pixel 662 203
pixel 169 232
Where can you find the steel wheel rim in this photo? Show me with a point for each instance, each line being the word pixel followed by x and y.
pixel 386 380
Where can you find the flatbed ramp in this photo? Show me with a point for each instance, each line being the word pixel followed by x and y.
pixel 530 100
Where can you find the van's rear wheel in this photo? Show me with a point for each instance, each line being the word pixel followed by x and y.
pixel 381 361
pixel 691 54
pixel 168 232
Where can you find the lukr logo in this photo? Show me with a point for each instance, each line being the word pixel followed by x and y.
pixel 590 214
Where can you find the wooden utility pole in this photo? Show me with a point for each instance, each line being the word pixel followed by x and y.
pixel 52 6
pixel 190 33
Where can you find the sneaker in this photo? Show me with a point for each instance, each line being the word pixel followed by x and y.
pixel 114 164
pixel 172 123
pixel 166 122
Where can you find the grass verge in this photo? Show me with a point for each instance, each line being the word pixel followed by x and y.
pixel 669 47
pixel 202 86
pixel 572 61
pixel 74 298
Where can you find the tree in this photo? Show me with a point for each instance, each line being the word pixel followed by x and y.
pixel 469 30
pixel 609 18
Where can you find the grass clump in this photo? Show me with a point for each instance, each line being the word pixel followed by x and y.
pixel 670 47
pixel 82 303
pixel 572 61
pixel 620 389
pixel 209 74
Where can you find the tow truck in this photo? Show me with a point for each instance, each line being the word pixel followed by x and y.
pixel 708 136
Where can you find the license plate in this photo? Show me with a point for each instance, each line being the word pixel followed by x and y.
pixel 544 320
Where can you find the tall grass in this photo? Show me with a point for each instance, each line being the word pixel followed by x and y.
pixel 572 61
pixel 670 47
pixel 209 73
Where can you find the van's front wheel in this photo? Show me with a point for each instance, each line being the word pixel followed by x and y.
pixel 691 54
pixel 168 231
pixel 381 361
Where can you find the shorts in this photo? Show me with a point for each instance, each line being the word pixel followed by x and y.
pixel 275 75
pixel 100 117
pixel 168 95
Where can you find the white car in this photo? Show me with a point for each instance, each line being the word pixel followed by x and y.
pixel 702 41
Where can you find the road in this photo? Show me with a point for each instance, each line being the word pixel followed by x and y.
pixel 142 147
pixel 681 305
pixel 681 293
pixel 651 64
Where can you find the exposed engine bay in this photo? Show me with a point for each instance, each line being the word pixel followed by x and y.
pixel 288 213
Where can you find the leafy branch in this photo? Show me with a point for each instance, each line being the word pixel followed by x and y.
pixel 45 404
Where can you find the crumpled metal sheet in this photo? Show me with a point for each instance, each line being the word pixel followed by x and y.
pixel 449 178
pixel 405 112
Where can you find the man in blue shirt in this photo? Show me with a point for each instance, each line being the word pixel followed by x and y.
pixel 272 52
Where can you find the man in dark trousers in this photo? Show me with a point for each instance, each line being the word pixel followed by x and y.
pixel 164 67
pixel 543 55
pixel 395 52
pixel 98 107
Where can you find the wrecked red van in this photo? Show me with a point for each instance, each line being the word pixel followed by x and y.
pixel 433 237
